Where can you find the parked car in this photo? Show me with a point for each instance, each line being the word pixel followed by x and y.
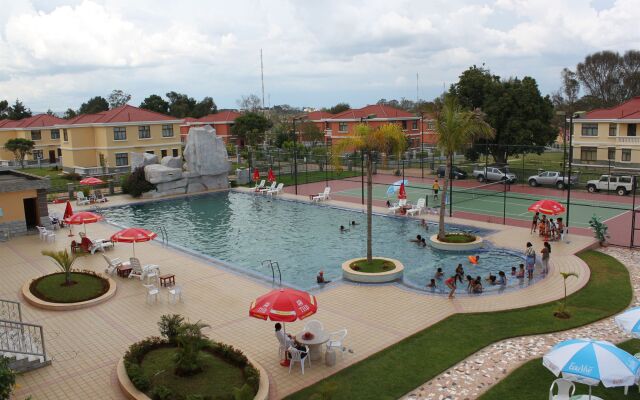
pixel 494 174
pixel 622 184
pixel 552 178
pixel 457 173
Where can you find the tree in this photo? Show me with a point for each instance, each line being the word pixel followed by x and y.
pixel 370 142
pixel 118 98
pixel 456 128
pixel 190 341
pixel 18 111
pixel 50 112
pixel 521 117
pixel 562 313
pixel 155 103
pixel 250 127
pixel 338 108
pixel 250 103
pixel 20 148
pixel 94 105
pixel 311 133
pixel 204 107
pixel 64 261
pixel 70 113
pixel 282 133
pixel 180 105
pixel 4 109
pixel 7 378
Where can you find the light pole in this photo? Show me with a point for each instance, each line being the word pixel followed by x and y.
pixel 295 156
pixel 421 144
pixel 570 162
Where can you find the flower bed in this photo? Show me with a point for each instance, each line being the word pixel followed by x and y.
pixel 457 242
pixel 380 271
pixel 85 285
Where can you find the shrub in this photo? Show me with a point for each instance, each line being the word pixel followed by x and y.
pixel 243 393
pixel 138 379
pixel 72 176
pixel 161 393
pixel 135 183
pixel 7 378
pixel 169 326
pixel 190 341
pixel 195 397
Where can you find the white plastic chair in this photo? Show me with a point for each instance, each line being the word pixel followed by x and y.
pixel 296 356
pixel 112 264
pixel 336 341
pixel 565 389
pixel 277 190
pixel 322 196
pixel 80 199
pixel 418 207
pixel 314 326
pixel 136 268
pixel 152 293
pixel 259 186
pixel 174 294
pixel 401 203
pixel 46 234
pixel 265 190
pixel 284 342
pixel 151 272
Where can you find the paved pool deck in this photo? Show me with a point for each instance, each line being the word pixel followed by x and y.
pixel 86 344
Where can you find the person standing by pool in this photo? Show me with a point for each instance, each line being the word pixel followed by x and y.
pixel 460 273
pixel 439 274
pixel 502 278
pixel 451 284
pixel 560 229
pixel 530 259
pixel 534 223
pixel 546 254
pixel 436 188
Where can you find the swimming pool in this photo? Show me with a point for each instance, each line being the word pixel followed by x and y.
pixel 243 229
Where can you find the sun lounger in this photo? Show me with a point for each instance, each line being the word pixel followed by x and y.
pixel 99 197
pixel 265 190
pixel 322 196
pixel 417 208
pixel 112 264
pixel 81 200
pixel 277 190
pixel 397 206
pixel 259 186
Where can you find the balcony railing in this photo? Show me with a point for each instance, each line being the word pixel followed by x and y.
pixel 628 139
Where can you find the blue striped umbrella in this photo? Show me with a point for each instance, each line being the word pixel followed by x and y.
pixel 629 321
pixel 591 362
pixel 395 186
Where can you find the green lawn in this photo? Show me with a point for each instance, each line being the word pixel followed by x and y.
pixel 86 287
pixel 404 366
pixel 216 381
pixel 374 267
pixel 532 381
pixel 58 182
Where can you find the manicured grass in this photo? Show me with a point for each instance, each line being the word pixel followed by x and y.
pixel 532 381
pixel 459 238
pixel 58 182
pixel 217 379
pixel 50 287
pixel 404 366
pixel 374 267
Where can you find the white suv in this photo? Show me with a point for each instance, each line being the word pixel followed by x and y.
pixel 622 184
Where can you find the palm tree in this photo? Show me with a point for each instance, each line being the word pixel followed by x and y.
pixel 64 261
pixel 565 276
pixel 369 141
pixel 456 128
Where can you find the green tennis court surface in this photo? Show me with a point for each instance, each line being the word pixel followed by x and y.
pixel 489 200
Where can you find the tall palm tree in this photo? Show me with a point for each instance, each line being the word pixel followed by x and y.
pixel 64 261
pixel 369 141
pixel 456 128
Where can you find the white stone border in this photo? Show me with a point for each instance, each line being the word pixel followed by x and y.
pixel 435 243
pixel 132 393
pixel 39 303
pixel 366 277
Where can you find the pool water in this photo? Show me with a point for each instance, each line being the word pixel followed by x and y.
pixel 244 229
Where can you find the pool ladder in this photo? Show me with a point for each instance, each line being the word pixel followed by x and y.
pixel 273 265
pixel 164 235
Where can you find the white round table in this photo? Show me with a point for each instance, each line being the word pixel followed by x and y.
pixel 315 344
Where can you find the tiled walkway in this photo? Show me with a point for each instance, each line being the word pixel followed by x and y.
pixel 86 344
pixel 475 375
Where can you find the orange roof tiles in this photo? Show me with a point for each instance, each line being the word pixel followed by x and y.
pixel 630 109
pixel 122 114
pixel 34 122
pixel 379 110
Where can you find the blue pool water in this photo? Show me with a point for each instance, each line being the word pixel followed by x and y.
pixel 244 229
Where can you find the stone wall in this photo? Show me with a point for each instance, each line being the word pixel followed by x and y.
pixel 14 228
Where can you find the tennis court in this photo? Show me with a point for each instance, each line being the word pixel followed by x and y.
pixel 489 200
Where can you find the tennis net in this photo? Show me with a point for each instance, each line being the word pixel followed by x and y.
pixel 477 192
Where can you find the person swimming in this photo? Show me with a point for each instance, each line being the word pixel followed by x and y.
pixel 320 278
pixel 432 284
pixel 491 279
pixel 418 239
pixel 353 223
pixel 343 229
pixel 423 242
pixel 474 259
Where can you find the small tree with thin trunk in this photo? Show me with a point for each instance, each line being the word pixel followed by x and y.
pixel 369 141
pixel 456 128
pixel 64 261
pixel 562 313
pixel 20 148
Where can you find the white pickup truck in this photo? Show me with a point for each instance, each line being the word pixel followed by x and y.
pixel 494 174
pixel 622 184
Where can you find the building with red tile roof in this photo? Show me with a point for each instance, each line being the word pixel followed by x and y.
pixel 222 122
pixel 40 128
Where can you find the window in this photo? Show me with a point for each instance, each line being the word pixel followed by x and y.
pixel 120 133
pixel 163 153
pixel 55 134
pixel 122 159
pixel 65 135
pixel 175 152
pixel 613 130
pixel 431 125
pixel 588 153
pixel 589 130
pixel 625 179
pixel 414 125
pixel 150 152
pixel 37 154
pixel 404 125
pixel 36 135
pixel 59 152
pixel 144 132
pixel 167 130
pixel 626 154
pixel 342 127
pixel 612 153
pixel 631 130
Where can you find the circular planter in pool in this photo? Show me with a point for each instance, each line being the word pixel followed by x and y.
pixel 436 244
pixel 107 291
pixel 394 274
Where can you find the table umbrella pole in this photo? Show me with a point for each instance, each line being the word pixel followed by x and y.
pixel 285 362
pixel 589 392
pixel 134 249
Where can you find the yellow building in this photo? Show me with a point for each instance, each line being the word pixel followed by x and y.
pixel 608 135
pixel 102 142
pixel 39 128
pixel 23 203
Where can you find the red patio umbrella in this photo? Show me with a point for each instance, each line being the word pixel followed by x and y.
pixel 133 235
pixel 91 181
pixel 68 211
pixel 546 206
pixel 271 177
pixel 83 218
pixel 256 175
pixel 402 193
pixel 284 305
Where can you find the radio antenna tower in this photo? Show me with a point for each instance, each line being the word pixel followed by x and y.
pixel 262 77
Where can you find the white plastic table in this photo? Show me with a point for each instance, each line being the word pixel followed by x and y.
pixel 315 344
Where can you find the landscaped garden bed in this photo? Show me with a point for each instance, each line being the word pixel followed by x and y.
pixel 379 270
pixel 376 266
pixel 84 286
pixel 184 365
pixel 456 241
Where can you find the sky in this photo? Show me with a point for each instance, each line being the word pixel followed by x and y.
pixel 56 54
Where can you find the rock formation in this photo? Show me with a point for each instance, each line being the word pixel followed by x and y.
pixel 142 160
pixel 203 155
